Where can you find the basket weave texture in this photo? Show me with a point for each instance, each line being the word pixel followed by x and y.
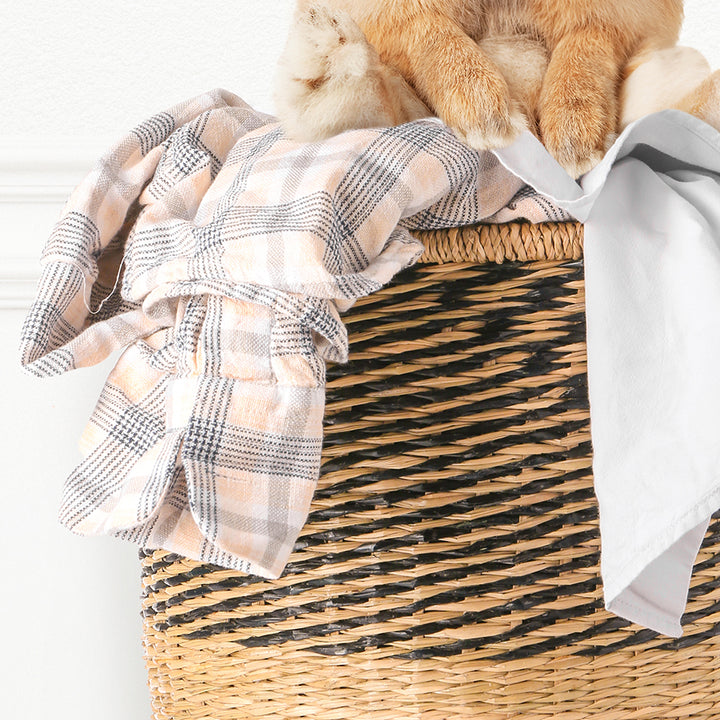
pixel 450 565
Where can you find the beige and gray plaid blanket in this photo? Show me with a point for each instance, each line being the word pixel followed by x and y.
pixel 219 255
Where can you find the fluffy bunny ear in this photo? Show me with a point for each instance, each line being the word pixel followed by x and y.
pixel 660 80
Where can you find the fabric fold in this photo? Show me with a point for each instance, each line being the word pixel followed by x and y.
pixel 219 254
pixel 652 283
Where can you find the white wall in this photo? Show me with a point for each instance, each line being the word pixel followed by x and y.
pixel 83 68
pixel 70 605
pixel 86 69
pixel 73 76
pixel 701 28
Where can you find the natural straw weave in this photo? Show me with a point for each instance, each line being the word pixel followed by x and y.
pixel 450 565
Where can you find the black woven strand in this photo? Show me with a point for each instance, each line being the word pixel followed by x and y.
pixel 436 306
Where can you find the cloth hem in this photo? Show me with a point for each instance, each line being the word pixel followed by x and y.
pixel 635 612
pixel 653 549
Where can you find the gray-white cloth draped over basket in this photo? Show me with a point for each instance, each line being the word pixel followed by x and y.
pixel 237 249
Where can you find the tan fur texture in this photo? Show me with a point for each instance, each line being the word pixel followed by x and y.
pixel 488 68
pixel 330 79
pixel 668 78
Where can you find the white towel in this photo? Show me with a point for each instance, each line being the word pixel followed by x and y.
pixel 652 266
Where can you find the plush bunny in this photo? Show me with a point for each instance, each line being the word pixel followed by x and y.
pixel 575 73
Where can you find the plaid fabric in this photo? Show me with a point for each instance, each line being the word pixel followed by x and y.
pixel 219 255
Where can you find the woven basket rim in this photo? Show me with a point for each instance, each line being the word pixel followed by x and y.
pixel 503 242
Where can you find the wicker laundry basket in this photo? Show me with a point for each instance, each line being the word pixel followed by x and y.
pixel 450 566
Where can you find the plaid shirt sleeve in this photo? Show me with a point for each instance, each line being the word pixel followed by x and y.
pixel 219 255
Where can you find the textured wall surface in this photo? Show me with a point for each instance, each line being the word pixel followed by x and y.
pixel 702 28
pixel 78 68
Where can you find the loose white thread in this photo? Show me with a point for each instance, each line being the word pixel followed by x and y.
pixel 104 300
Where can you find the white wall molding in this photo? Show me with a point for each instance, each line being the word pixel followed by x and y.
pixel 35 194
pixel 45 169
pixel 37 174
pixel 18 280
